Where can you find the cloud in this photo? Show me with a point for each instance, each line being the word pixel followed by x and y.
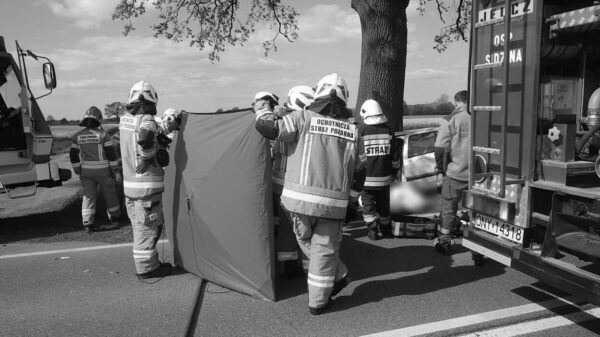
pixel 88 14
pixel 427 74
pixel 93 84
pixel 329 23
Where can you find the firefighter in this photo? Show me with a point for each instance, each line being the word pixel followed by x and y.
pixel 381 149
pixel 326 162
pixel 452 157
pixel 94 160
pixel 298 99
pixel 143 160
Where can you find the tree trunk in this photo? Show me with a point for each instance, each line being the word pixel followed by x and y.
pixel 383 57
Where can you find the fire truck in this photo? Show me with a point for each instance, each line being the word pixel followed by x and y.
pixel 25 138
pixel 534 189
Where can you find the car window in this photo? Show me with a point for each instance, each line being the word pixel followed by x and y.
pixel 421 143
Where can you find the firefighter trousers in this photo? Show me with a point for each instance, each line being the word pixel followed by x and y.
pixel 452 191
pixel 286 245
pixel 147 221
pixel 88 204
pixel 320 239
pixel 376 206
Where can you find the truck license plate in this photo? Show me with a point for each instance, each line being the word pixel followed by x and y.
pixel 497 227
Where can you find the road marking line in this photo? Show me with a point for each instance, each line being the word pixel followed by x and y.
pixel 60 251
pixel 539 325
pixel 464 321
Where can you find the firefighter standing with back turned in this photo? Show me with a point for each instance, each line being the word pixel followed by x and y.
pixel 381 148
pixel 299 97
pixel 327 162
pixel 143 178
pixel 94 160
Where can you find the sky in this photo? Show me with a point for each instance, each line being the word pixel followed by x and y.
pixel 96 65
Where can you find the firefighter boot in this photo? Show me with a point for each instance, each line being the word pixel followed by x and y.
pixel 110 225
pixel 443 248
pixel 164 269
pixel 318 311
pixel 339 285
pixel 373 231
pixel 386 230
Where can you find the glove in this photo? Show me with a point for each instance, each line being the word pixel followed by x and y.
pixel 162 157
pixel 143 166
pixel 118 178
pixel 351 210
pixel 77 170
pixel 163 140
pixel 262 104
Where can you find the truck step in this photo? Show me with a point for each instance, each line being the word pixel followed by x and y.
pixel 489 150
pixel 484 66
pixel 487 108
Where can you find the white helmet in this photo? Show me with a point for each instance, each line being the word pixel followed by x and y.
pixel 332 82
pixel 371 113
pixel 300 97
pixel 145 90
pixel 269 96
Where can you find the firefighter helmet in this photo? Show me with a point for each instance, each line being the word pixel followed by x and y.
pixel 332 83
pixel 300 97
pixel 371 113
pixel 145 90
pixel 269 96
pixel 91 113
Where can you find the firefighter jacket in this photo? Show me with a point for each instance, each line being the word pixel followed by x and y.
pixel 92 153
pixel 325 163
pixel 280 150
pixel 382 150
pixel 138 137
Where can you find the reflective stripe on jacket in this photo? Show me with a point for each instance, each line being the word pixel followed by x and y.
pixel 382 155
pixel 321 169
pixel 92 151
pixel 279 164
pixel 144 185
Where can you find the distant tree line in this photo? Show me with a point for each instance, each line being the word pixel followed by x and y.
pixel 441 106
pixel 112 111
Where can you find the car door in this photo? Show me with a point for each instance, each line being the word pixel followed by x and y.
pixel 418 157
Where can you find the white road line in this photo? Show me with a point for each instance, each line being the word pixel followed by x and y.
pixel 539 325
pixel 460 322
pixel 61 251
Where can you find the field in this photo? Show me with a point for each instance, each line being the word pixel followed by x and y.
pixel 63 133
pixel 421 122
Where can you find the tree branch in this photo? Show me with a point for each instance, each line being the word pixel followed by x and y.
pixel 440 10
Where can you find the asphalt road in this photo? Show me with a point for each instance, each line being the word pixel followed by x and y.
pixel 401 288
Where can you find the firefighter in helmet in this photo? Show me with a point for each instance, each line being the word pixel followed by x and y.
pixel 299 97
pixel 322 174
pixel 381 148
pixel 143 159
pixel 95 161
